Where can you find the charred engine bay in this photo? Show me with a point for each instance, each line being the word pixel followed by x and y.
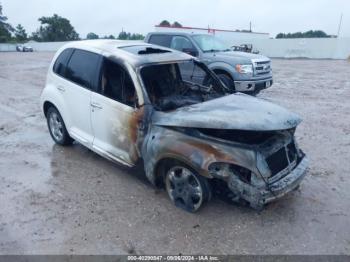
pixel 247 137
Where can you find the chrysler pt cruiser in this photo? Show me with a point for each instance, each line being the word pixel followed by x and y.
pixel 140 103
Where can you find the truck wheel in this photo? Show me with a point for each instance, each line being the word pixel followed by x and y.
pixel 228 81
pixel 57 127
pixel 186 188
pixel 253 93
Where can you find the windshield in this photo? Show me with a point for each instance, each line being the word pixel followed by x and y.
pixel 173 85
pixel 209 43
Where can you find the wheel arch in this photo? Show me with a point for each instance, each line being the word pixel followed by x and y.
pixel 219 71
pixel 166 161
pixel 221 67
pixel 47 105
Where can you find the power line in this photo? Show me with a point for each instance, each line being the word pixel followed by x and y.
pixel 341 18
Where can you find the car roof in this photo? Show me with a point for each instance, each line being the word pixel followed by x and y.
pixel 129 51
pixel 176 33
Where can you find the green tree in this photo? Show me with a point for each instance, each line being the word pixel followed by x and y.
pixel 92 36
pixel 176 24
pixel 5 28
pixel 55 28
pixel 123 35
pixel 20 33
pixel 307 34
pixel 137 37
pixel 108 37
pixel 164 23
pixel 128 36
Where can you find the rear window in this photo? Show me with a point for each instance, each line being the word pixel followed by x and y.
pixel 61 62
pixel 82 68
pixel 163 40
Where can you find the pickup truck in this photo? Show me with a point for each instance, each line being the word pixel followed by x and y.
pixel 239 71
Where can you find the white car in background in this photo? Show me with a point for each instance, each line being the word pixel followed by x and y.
pixel 24 48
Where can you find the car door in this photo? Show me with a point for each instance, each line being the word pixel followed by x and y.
pixel 183 44
pixel 114 116
pixel 80 73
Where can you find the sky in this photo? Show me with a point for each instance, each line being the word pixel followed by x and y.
pixel 105 17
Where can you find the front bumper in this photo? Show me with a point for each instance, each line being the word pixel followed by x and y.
pixel 250 86
pixel 258 197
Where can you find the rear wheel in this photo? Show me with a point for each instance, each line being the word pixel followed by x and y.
pixel 57 127
pixel 228 81
pixel 186 188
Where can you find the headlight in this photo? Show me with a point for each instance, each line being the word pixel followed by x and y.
pixel 244 69
pixel 223 170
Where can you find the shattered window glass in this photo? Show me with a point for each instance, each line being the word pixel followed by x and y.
pixel 173 85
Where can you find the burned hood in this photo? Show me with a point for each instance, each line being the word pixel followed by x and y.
pixel 237 111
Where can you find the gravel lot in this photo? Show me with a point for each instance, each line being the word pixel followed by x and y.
pixel 57 200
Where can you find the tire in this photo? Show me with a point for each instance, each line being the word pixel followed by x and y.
pixel 186 189
pixel 228 81
pixel 57 128
pixel 253 93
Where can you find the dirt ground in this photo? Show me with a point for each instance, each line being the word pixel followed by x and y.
pixel 56 200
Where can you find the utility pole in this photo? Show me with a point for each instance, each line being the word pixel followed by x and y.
pixel 341 18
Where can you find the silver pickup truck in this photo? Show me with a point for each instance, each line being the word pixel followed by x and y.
pixel 240 71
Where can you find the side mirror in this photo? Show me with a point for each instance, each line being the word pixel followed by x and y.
pixel 190 51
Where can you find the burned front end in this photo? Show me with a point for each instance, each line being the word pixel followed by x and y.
pixel 244 142
pixel 256 166
pixel 279 165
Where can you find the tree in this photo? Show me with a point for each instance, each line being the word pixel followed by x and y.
pixel 307 34
pixel 92 36
pixel 123 35
pixel 5 28
pixel 136 37
pixel 108 37
pixel 128 36
pixel 176 24
pixel 20 33
pixel 55 28
pixel 164 23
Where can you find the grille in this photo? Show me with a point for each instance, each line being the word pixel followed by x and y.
pixel 262 67
pixel 281 159
pixel 292 152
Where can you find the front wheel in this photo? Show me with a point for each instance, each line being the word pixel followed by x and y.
pixel 186 188
pixel 228 81
pixel 57 127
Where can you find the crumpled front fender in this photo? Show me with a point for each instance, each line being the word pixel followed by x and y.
pixel 196 152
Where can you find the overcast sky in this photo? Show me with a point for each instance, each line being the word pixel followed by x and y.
pixel 106 17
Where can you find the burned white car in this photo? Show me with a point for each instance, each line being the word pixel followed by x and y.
pixel 139 103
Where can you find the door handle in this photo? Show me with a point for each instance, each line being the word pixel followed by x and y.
pixel 95 105
pixel 61 88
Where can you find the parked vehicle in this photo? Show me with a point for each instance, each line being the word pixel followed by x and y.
pixel 132 101
pixel 24 48
pixel 240 71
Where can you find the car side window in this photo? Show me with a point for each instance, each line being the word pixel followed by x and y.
pixel 61 62
pixel 81 68
pixel 181 43
pixel 117 84
pixel 162 40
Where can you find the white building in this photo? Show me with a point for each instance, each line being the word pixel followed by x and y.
pixel 229 36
